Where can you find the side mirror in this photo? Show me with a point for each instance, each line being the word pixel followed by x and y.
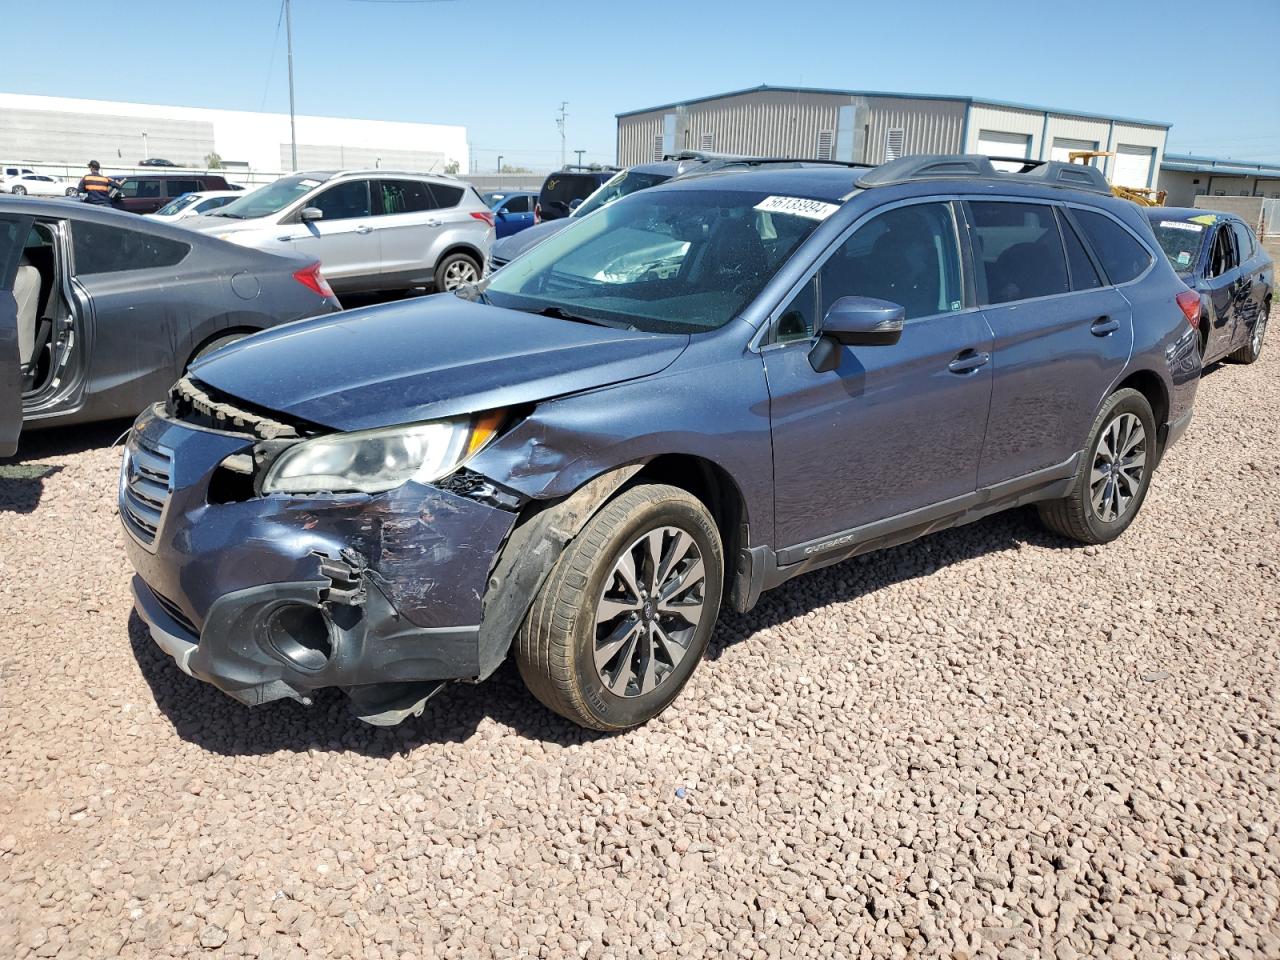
pixel 310 214
pixel 856 322
pixel 501 214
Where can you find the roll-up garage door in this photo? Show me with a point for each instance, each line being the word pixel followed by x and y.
pixel 1133 166
pixel 997 143
pixel 1063 146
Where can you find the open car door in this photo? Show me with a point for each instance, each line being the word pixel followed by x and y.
pixel 12 232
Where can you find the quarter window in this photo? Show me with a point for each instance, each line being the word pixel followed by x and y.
pixel 1121 255
pixel 405 196
pixel 1019 251
pixel 99 248
pixel 1084 275
pixel 908 256
pixel 344 201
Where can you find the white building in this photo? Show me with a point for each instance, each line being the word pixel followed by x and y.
pixel 872 127
pixel 62 132
pixel 1186 177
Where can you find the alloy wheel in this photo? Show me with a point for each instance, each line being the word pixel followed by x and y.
pixel 649 611
pixel 19 191
pixel 1260 330
pixel 1119 463
pixel 458 273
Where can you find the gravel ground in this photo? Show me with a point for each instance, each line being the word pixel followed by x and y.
pixel 985 744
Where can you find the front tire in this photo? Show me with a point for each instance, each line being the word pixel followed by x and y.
pixel 1114 474
pixel 19 191
pixel 455 270
pixel 1252 350
pixel 626 612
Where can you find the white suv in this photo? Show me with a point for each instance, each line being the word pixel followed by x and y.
pixel 370 229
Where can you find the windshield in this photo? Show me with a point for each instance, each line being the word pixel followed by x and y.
pixel 1180 242
pixel 667 261
pixel 627 182
pixel 177 206
pixel 270 199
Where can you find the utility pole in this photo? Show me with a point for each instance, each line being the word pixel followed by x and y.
pixel 560 123
pixel 579 153
pixel 293 129
pixel 499 163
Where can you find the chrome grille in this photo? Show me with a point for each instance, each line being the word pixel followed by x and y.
pixel 144 489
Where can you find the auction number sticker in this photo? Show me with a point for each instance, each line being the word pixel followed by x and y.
pixel 1184 258
pixel 1182 225
pixel 797 207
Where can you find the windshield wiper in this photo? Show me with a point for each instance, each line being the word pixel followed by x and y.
pixel 223 213
pixel 560 313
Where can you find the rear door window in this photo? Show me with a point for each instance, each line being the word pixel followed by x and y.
pixel 99 248
pixel 344 201
pixel 1018 251
pixel 1084 275
pixel 1121 255
pixel 405 196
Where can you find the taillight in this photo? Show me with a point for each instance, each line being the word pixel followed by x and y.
pixel 311 278
pixel 487 216
pixel 537 213
pixel 1189 301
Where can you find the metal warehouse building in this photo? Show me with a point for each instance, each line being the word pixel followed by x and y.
pixel 1186 177
pixel 870 127
pixel 50 131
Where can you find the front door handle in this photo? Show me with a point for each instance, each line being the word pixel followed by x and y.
pixel 1104 326
pixel 364 228
pixel 435 223
pixel 968 361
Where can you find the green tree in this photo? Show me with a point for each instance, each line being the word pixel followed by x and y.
pixel 212 161
pixel 453 166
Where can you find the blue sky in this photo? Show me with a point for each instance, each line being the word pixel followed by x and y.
pixel 502 67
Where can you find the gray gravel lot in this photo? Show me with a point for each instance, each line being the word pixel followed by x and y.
pixel 988 743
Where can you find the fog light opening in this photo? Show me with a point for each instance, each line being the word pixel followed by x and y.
pixel 300 635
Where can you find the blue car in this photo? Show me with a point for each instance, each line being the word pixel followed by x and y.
pixel 1219 256
pixel 512 211
pixel 699 392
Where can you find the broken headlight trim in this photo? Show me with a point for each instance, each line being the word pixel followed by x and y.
pixel 373 461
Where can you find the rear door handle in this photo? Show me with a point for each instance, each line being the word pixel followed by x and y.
pixel 968 361
pixel 1104 326
pixel 364 228
pixel 435 223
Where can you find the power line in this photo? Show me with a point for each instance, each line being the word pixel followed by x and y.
pixel 271 64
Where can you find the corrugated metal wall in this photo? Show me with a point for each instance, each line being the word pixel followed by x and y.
pixel 103 137
pixel 928 126
pixel 785 124
pixel 1004 120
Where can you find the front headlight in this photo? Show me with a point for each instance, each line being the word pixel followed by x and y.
pixel 371 461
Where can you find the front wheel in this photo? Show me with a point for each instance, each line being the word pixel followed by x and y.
pixel 1114 473
pixel 1252 350
pixel 71 191
pixel 455 270
pixel 625 614
pixel 19 191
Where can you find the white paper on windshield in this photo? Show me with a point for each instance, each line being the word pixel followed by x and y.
pixel 1184 258
pixel 1182 225
pixel 797 207
pixel 310 183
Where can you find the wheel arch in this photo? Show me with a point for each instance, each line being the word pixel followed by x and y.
pixel 1150 385
pixel 239 327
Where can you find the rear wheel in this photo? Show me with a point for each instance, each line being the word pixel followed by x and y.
pixel 1252 350
pixel 1114 473
pixel 455 270
pixel 72 191
pixel 626 613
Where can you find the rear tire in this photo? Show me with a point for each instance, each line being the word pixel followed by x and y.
pixel 626 612
pixel 71 191
pixel 1114 473
pixel 455 270
pixel 1252 350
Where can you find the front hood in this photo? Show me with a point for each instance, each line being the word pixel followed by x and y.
pixel 209 223
pixel 427 358
pixel 508 248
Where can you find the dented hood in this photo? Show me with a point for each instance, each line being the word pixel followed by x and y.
pixel 427 358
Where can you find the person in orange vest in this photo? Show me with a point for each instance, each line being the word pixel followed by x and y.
pixel 96 187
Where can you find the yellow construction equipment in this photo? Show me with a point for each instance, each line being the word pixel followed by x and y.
pixel 1142 196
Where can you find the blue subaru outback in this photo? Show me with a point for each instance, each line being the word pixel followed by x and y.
pixel 682 400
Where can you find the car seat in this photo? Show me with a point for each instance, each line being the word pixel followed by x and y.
pixel 26 290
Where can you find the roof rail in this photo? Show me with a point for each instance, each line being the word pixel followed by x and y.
pixel 968 166
pixel 591 167
pixel 708 156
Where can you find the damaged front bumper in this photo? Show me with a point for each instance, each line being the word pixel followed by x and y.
pixel 278 596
